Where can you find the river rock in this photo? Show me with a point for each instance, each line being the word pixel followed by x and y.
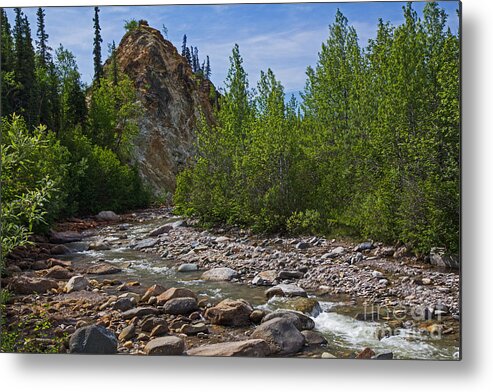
pixel 139 312
pixel 336 252
pixel 230 312
pixel 327 355
pixel 175 292
pixel 167 345
pixel 182 306
pixel 193 329
pixel 440 258
pixel 62 237
pixel 313 338
pixel 290 275
pixel 300 320
pixel 265 278
pixel 257 315
pixel 385 356
pixel 147 243
pixel 99 245
pixel 93 339
pixel 59 272
pixel 220 274
pixel 367 353
pixel 108 216
pixel 159 330
pixel 77 283
pixel 161 230
pixel 151 322
pixel 153 291
pixel 303 245
pixel 123 304
pixel 60 249
pixel 363 246
pixel 281 335
pixel 103 269
pixel 305 305
pixel 30 285
pixel 285 290
pixel 127 333
pixel 247 348
pixel 188 267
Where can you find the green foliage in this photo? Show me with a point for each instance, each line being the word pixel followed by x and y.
pixel 375 152
pixel 131 25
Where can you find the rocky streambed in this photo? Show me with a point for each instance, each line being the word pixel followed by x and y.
pixel 152 283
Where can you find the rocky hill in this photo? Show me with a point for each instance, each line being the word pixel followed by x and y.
pixel 173 98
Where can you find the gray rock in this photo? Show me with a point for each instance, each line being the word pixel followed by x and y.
pixel 363 246
pixel 62 237
pixel 230 312
pixel 220 274
pixel 127 333
pixel 161 230
pixel 188 267
pixel 246 348
pixel 29 285
pixel 109 216
pixel 167 345
pixel 123 304
pixel 301 321
pixel 139 312
pixel 303 245
pixel 281 335
pixel 290 275
pixel 60 250
pixel 265 278
pixel 149 323
pixel 76 283
pixel 99 245
pixel 313 338
pixel 58 272
pixel 440 258
pixel 388 355
pixel 182 306
pixel 147 243
pixel 285 290
pixel 93 339
pixel 193 329
pixel 336 252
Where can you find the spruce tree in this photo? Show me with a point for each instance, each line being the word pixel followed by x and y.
pixel 7 63
pixel 184 46
pixel 98 65
pixel 42 42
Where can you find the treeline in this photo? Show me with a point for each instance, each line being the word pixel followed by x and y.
pixel 65 145
pixel 372 151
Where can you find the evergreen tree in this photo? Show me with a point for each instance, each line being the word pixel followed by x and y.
pixel 188 56
pixel 184 46
pixel 207 69
pixel 114 63
pixel 42 42
pixel 98 65
pixel 7 64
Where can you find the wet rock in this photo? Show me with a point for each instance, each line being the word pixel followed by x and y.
pixel 281 335
pixel 108 216
pixel 220 274
pixel 188 267
pixel 230 312
pixel 367 316
pixel 59 272
pixel 193 329
pixel 153 291
pixel 93 339
pixel 147 243
pixel 301 321
pixel 313 338
pixel 440 258
pixel 303 245
pixel 247 348
pixel 367 353
pixel 285 290
pixel 167 345
pixel 139 312
pixel 387 356
pixel 180 306
pixel 77 283
pixel 127 333
pixel 99 245
pixel 175 292
pixel 327 355
pixel 62 237
pixel 29 285
pixel 60 250
pixel 265 278
pixel 304 305
pixel 256 316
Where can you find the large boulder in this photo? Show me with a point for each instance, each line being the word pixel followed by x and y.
pixel 175 292
pixel 30 285
pixel 188 267
pixel 77 283
pixel 147 243
pixel 62 237
pixel 183 306
pixel 300 321
pixel 281 335
pixel 245 348
pixel 153 291
pixel 235 313
pixel 305 305
pixel 220 274
pixel 167 345
pixel 93 339
pixel 285 290
pixel 59 272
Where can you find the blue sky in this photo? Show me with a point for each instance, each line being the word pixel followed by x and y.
pixel 284 37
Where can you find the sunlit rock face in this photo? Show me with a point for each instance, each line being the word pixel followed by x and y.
pixel 173 99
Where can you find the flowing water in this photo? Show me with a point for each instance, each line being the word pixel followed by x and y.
pixel 345 334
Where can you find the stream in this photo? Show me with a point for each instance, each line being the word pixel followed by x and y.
pixel 346 335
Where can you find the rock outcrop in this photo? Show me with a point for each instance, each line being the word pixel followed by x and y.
pixel 173 99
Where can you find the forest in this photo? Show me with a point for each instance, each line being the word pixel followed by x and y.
pixel 372 149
